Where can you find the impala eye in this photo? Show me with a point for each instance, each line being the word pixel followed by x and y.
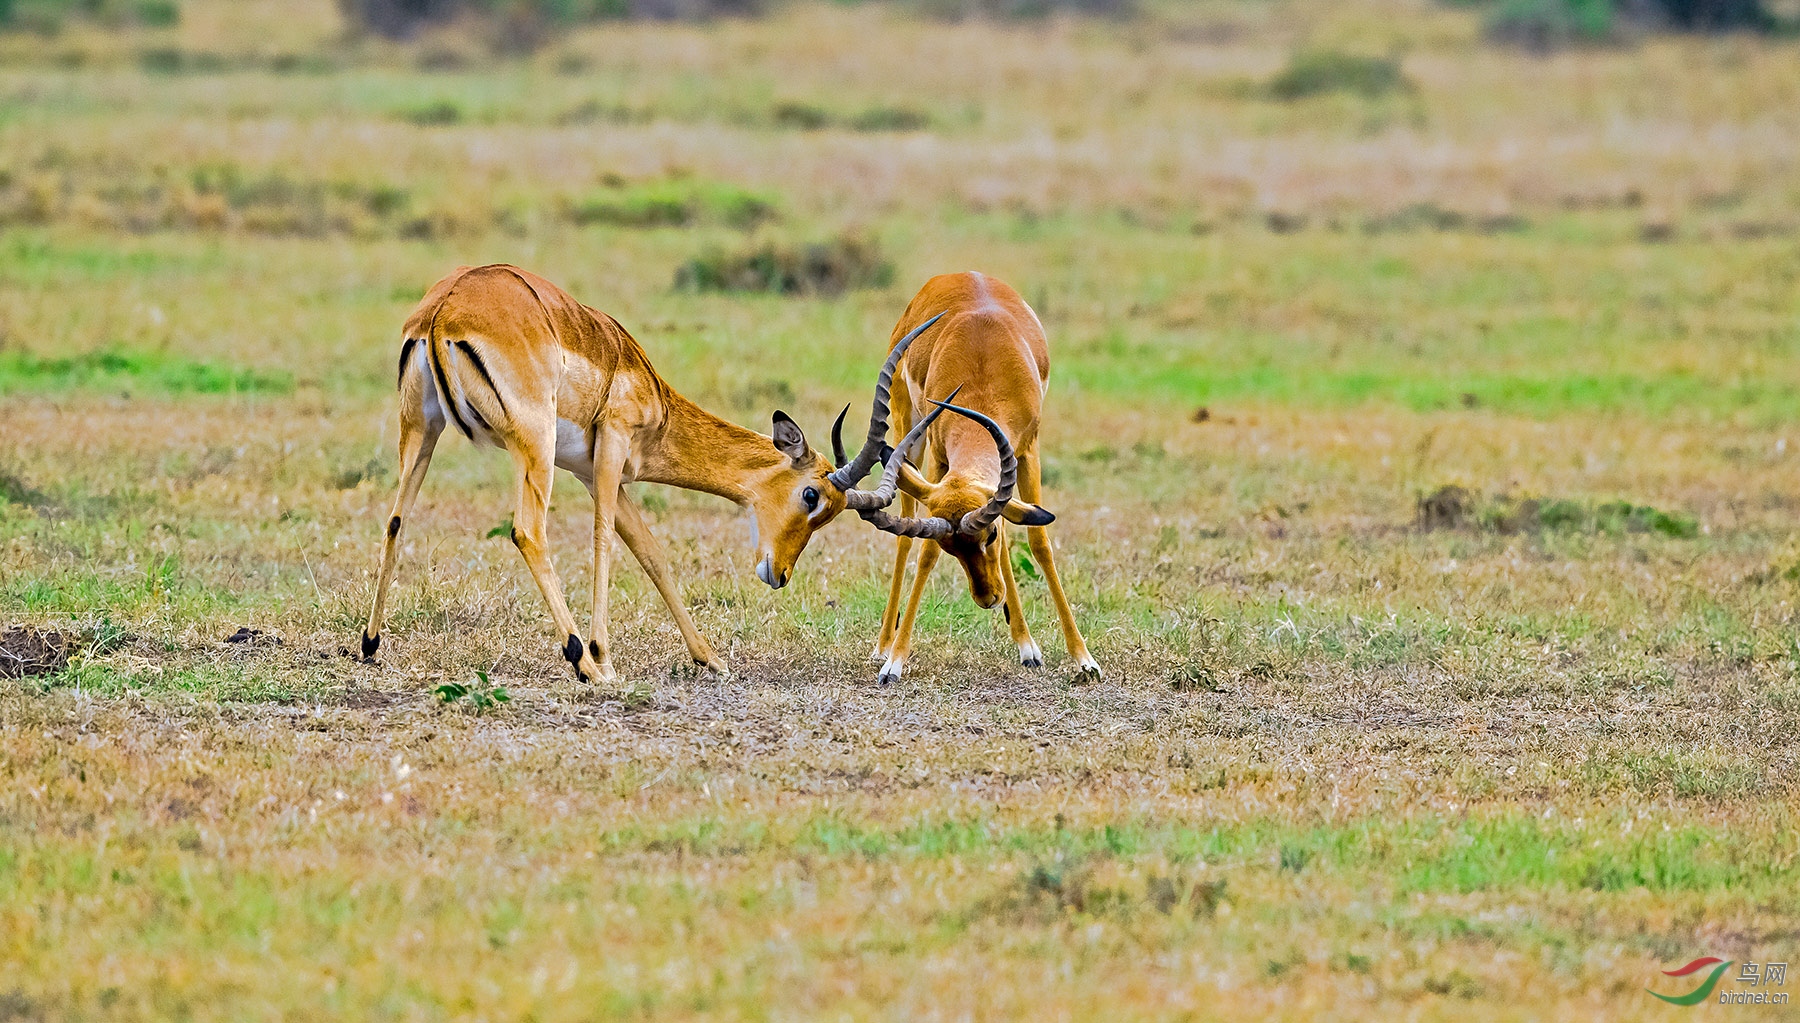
pixel 810 496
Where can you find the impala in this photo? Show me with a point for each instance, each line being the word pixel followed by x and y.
pixel 513 361
pixel 990 348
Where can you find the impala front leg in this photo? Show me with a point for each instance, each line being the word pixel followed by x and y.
pixel 611 448
pixel 531 527
pixel 649 554
pixel 902 643
pixel 890 615
pixel 1029 654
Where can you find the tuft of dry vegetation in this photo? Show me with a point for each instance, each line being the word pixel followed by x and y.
pixel 1423 463
pixel 820 268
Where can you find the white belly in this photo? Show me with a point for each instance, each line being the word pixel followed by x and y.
pixel 572 451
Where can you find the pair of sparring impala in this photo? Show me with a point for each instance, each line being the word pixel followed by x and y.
pixel 513 361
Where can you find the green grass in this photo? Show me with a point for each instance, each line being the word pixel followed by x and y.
pixel 1341 763
pixel 117 369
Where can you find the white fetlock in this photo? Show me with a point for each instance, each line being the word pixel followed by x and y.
pixel 890 672
pixel 1030 655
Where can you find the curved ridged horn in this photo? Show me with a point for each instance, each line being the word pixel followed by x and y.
pixel 867 501
pixel 977 521
pixel 928 528
pixel 848 475
pixel 837 441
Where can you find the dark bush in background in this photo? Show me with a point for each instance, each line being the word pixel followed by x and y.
pixel 1546 24
pixel 525 19
pixel 529 19
pixel 1017 10
pixel 1709 15
pixel 822 268
pixel 1323 71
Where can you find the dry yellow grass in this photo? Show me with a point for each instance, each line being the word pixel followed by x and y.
pixel 1340 767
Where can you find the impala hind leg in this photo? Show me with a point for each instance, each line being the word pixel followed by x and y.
pixel 1031 489
pixel 649 554
pixel 902 643
pixel 531 527
pixel 419 434
pixel 1029 653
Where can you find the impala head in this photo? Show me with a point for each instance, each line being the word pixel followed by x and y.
pixel 962 515
pixel 803 492
pixel 791 501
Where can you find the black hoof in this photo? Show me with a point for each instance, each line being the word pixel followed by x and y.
pixel 370 644
pixel 1032 662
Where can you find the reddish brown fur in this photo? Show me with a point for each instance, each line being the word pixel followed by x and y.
pixel 992 346
pixel 514 361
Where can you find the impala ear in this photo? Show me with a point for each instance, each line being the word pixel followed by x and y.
pixel 788 438
pixel 1022 514
pixel 914 484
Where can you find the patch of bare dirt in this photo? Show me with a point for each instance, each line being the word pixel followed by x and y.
pixel 25 651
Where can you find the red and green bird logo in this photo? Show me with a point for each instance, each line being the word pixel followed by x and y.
pixel 1699 994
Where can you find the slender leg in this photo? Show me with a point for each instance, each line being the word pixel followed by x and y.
pixel 531 521
pixel 1029 654
pixel 890 616
pixel 418 437
pixel 902 645
pixel 1031 489
pixel 649 554
pixel 611 448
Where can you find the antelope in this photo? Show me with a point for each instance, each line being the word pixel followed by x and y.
pixel 990 348
pixel 515 362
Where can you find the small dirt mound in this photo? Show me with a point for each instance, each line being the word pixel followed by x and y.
pixel 1446 507
pixel 25 651
pixel 253 637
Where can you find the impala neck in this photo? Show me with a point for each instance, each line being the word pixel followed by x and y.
pixel 700 451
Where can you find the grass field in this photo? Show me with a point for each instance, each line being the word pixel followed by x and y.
pixel 1341 765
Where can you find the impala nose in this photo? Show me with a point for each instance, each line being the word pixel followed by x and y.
pixel 765 570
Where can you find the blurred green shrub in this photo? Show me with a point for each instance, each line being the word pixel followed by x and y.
pixel 822 268
pixel 811 117
pixel 1318 72
pixel 1456 507
pixel 1021 10
pixel 1713 15
pixel 524 24
pixel 671 204
pixel 891 119
pixel 1548 24
pixel 49 15
pixel 440 113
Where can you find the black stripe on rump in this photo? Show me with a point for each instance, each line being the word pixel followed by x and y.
pixel 445 398
pixel 481 367
pixel 406 351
